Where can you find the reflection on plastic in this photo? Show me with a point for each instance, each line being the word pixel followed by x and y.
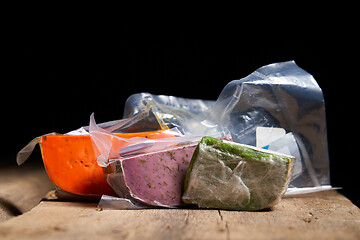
pixel 110 202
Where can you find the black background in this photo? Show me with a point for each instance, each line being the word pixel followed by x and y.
pixel 61 73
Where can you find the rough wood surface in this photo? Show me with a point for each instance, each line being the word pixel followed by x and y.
pixel 326 215
pixel 21 189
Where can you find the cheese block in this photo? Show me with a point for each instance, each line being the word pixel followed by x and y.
pixel 157 178
pixel 228 175
pixel 71 164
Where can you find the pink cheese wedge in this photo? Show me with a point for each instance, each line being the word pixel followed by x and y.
pixel 158 178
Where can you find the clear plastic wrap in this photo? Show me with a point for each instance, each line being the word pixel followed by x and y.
pixel 234 176
pixel 279 95
pixel 279 107
pixel 145 120
pixel 285 96
pixel 110 148
pixel 69 158
pixel 150 171
pixel 184 114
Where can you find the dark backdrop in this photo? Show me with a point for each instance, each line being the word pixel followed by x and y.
pixel 60 74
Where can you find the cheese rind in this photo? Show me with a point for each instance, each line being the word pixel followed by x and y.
pixel 228 175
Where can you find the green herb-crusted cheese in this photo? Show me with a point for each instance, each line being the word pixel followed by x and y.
pixel 228 175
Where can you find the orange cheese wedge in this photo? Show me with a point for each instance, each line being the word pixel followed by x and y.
pixel 71 164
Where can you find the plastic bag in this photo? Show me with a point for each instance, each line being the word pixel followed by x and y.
pixel 279 107
pixel 228 175
pixel 279 95
pixel 184 114
pixel 289 98
pixel 149 170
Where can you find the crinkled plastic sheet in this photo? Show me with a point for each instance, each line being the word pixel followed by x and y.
pixel 279 95
pixel 144 121
pixel 184 114
pixel 109 148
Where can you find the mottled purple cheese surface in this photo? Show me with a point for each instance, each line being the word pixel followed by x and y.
pixel 158 178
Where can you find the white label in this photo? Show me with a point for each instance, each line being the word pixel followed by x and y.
pixel 266 135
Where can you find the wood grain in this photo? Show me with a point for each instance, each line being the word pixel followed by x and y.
pixel 21 189
pixel 326 215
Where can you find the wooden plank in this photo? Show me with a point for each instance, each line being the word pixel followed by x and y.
pixel 21 189
pixel 327 215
